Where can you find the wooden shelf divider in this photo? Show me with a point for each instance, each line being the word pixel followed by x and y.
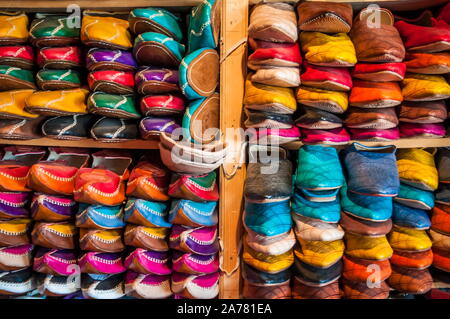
pixel 401 143
pixel 85 143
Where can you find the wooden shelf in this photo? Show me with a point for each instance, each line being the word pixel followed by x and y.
pixel 87 143
pixel 58 5
pixel 401 143
pixel 396 5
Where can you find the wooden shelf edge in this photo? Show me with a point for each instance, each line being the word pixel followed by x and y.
pixel 87 143
pixel 401 143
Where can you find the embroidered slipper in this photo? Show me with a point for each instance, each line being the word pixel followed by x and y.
pixel 316 276
pixel 312 229
pixel 153 127
pixel 423 112
pixel 106 32
pixel 111 130
pixel 327 212
pixel 59 262
pixel 410 239
pixel 57 103
pixel 412 259
pixel 99 217
pixel 327 78
pixel 302 289
pixel 52 208
pixel 199 73
pixel 380 72
pixel 59 58
pixel 330 101
pixel 60 235
pixel 195 188
pixel 110 81
pixel 358 269
pixel 51 30
pixel 265 262
pixel 71 127
pixel 146 213
pixel 316 119
pixel 358 225
pixel 382 160
pixel 416 167
pixel 325 17
pixel 440 219
pixel 151 80
pixel 274 22
pixel 377 42
pixel 408 217
pixel 364 247
pixel 16 282
pixel 148 262
pixel 107 241
pixel 333 50
pixel 102 59
pixel 410 280
pixel 14 28
pixel 20 56
pixel 148 238
pixel 57 79
pixel 194 264
pixel 112 105
pixel 16 257
pixel 12 78
pixel 424 87
pixel 361 290
pixel 196 287
pixel 101 263
pixel 321 254
pixel 149 180
pixel 204 25
pixel 193 214
pixel 148 286
pixel 155 20
pixel 371 118
pixel 55 286
pixel 102 286
pixel 13 205
pixel 282 246
pixel 414 197
pixel 157 49
pixel 162 105
pixel 14 232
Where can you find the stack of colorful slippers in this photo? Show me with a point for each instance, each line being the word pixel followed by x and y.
pixel 146 213
pixel 53 209
pixel 440 218
pixel 16 78
pixel 427 41
pixel 329 53
pixel 100 190
pixel 158 51
pixel 275 63
pixel 110 79
pixel 376 91
pixel 409 239
pixel 366 199
pixel 16 249
pixel 316 213
pixel 269 238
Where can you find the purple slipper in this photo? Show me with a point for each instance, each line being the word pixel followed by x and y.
pixel 103 59
pixel 156 81
pixel 151 127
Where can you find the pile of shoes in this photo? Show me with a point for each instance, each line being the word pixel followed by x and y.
pixel 329 53
pixel 440 218
pixel 269 238
pixel 16 78
pixel 269 96
pixel 316 213
pixel 376 91
pixel 427 41
pixel 146 212
pixel 16 249
pixel 53 209
pixel 408 238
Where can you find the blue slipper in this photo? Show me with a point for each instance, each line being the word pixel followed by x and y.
pixel 146 213
pixel 194 214
pixel 328 212
pixel 268 218
pixel 415 197
pixel 99 216
pixel 405 216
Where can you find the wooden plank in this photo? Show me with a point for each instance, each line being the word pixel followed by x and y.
pixel 401 143
pixel 55 5
pixel 396 5
pixel 88 143
pixel 233 69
